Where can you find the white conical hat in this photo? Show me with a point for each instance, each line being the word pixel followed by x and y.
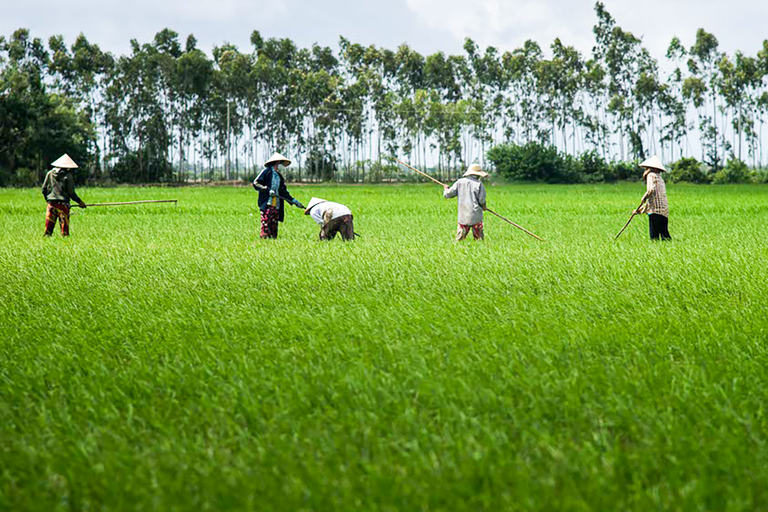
pixel 277 157
pixel 654 163
pixel 474 170
pixel 312 203
pixel 64 162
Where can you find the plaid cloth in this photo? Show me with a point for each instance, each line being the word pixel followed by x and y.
pixel 477 231
pixel 269 219
pixel 54 212
pixel 657 200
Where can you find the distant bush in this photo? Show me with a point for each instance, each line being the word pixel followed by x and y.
pixel 534 162
pixel 537 162
pixel 594 168
pixel 688 169
pixel 132 169
pixel 735 171
pixel 24 177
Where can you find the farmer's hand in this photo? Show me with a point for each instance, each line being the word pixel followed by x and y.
pixel 637 212
pixel 272 193
pixel 298 204
pixel 446 187
pixel 82 204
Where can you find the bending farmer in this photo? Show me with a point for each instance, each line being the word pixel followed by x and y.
pixel 58 190
pixel 270 185
pixel 471 193
pixel 654 202
pixel 332 217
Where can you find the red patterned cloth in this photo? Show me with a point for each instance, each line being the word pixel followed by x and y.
pixel 60 212
pixel 462 230
pixel 269 220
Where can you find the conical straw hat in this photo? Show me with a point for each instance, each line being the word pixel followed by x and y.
pixel 312 203
pixel 474 170
pixel 277 157
pixel 654 163
pixel 64 162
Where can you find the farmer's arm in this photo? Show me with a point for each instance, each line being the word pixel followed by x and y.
pixel 283 192
pixel 261 179
pixel 327 215
pixel 649 190
pixel 47 185
pixel 452 191
pixel 481 196
pixel 69 183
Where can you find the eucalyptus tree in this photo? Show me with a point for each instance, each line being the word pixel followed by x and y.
pixel 738 86
pixel 524 107
pixel 704 76
pixel 625 61
pixel 82 72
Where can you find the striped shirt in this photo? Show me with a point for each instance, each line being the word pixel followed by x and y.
pixel 657 195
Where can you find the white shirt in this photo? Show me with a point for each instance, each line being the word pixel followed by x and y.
pixel 327 210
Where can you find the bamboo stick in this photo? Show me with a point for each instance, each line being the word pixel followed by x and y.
pixel 634 212
pixel 510 222
pixel 422 173
pixel 134 202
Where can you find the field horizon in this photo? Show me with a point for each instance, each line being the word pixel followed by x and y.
pixel 165 358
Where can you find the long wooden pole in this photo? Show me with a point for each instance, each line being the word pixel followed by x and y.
pixel 487 209
pixel 510 222
pixel 134 202
pixel 422 173
pixel 628 221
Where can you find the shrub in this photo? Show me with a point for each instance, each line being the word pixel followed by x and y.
pixel 688 169
pixel 24 177
pixel 534 162
pixel 594 168
pixel 735 171
pixel 626 171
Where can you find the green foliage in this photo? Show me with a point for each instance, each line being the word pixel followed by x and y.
pixel 688 170
pixel 735 171
pixel 537 162
pixel 141 167
pixel 533 162
pixel 165 358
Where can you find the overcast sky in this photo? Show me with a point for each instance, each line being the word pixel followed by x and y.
pixel 427 25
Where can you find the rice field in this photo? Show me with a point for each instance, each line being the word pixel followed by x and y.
pixel 164 358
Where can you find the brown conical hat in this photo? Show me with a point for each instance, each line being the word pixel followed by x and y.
pixel 277 157
pixel 654 163
pixel 64 162
pixel 474 170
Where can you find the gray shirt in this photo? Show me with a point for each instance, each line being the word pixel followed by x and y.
pixel 471 193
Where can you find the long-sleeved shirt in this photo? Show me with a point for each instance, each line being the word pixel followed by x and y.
pixel 471 193
pixel 59 186
pixel 656 202
pixel 265 179
pixel 326 211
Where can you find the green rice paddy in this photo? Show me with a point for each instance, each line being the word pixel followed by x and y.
pixel 164 358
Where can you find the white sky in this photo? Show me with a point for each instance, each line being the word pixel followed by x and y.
pixel 427 25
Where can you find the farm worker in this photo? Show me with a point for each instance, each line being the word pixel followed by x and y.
pixel 471 194
pixel 270 185
pixel 332 217
pixel 58 190
pixel 654 201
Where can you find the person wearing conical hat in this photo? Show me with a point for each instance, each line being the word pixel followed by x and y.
pixel 58 190
pixel 654 201
pixel 270 185
pixel 332 218
pixel 471 194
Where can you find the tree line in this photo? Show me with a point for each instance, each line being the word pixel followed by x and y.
pixel 167 111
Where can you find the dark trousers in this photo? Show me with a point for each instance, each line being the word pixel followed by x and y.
pixel 343 225
pixel 658 227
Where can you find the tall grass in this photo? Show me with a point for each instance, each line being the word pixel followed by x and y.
pixel 165 358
